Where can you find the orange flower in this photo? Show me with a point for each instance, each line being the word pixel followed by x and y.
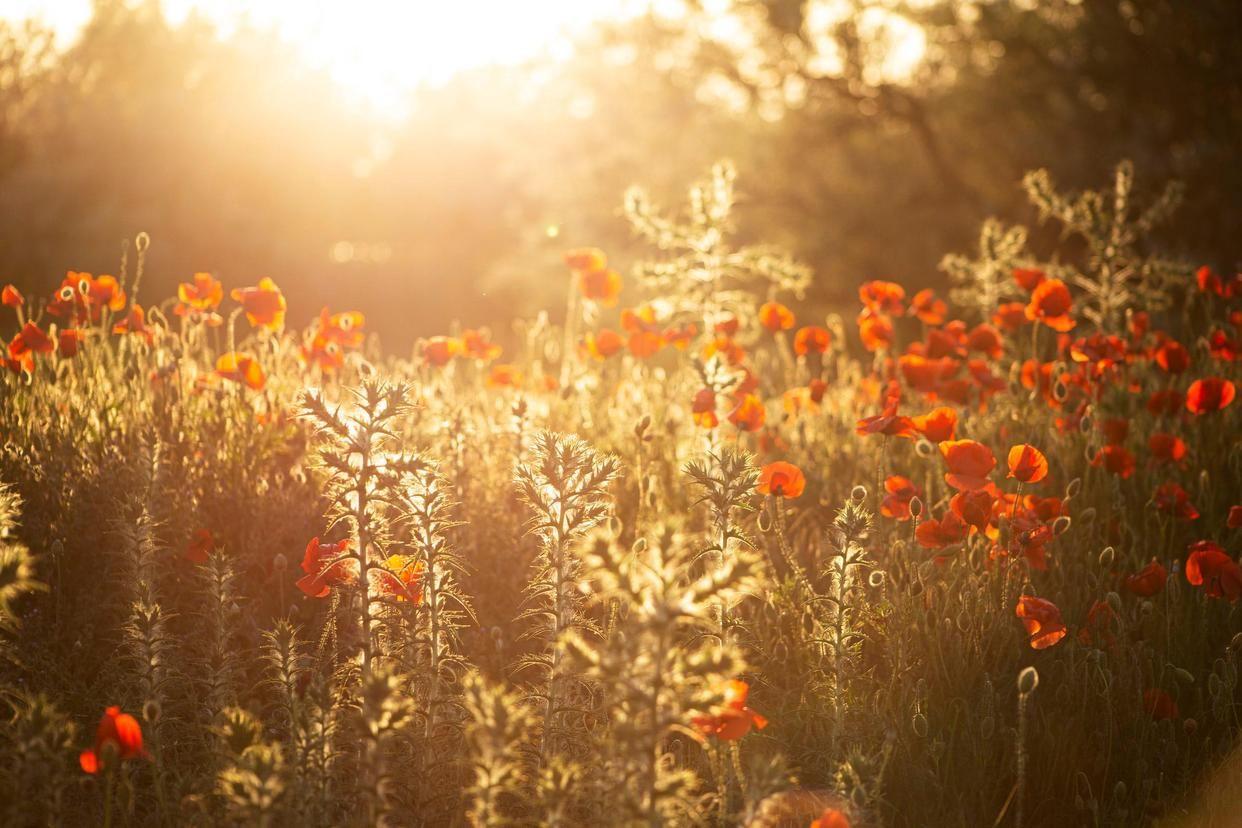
pixel 887 422
pixel 1027 464
pixel 438 350
pixel 732 719
pixel 264 305
pixel 345 329
pixel 1050 304
pixel 1115 460
pixel 1166 448
pixel 585 258
pixel 831 818
pixel 1010 316
pixel 201 544
pixel 883 297
pixel 604 344
pixel 478 345
pixel 985 339
pixel 399 577
pixel 749 414
pixel 1210 567
pixel 1147 581
pixel 703 408
pixel 1029 278
pixel 1207 395
pixel 974 507
pixel 781 479
pixel 323 353
pixel 135 322
pixel 928 308
pixel 775 317
pixel 326 565
pixel 970 462
pixel 118 736
pixel 812 339
pixel 644 344
pixel 504 375
pixel 875 330
pixel 11 297
pixel 900 491
pixel 1042 620
pixel 937 425
pixel 1172 356
pixel 203 295
pixel 30 340
pixel 69 342
pixel 241 368
pixel 602 286
pixel 950 530
pixel 1159 704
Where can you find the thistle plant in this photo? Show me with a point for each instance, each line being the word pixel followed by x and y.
pixel 252 782
pixel 497 727
pixel 566 485
pixel 17 570
pixel 982 283
pixel 38 743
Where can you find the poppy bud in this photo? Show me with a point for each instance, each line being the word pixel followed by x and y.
pixel 639 546
pixel 987 727
pixel 1183 675
pixel 1145 608
pixel 1119 791
pixel 1114 601
pixel 1084 425
pixel 642 425
pixel 1107 556
pixel 1060 391
pixel 1074 487
pixel 916 506
pixel 876 578
pixel 1215 685
pixel 279 562
pixel 1189 726
pixel 1087 516
pixel 1061 525
pixel 151 711
pixel 859 493
pixel 1028 680
pixel 924 448
pixel 1235 643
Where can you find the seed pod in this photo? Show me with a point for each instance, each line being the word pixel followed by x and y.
pixel 916 506
pixel 859 493
pixel 1119 791
pixel 1059 391
pixel 1061 525
pixel 151 711
pixel 1085 424
pixel 924 448
pixel 1235 644
pixel 1074 487
pixel 987 726
pixel 1107 556
pixel 1028 680
pixel 1114 602
pixel 1184 676
pixel 640 546
pixel 279 562
pixel 1189 726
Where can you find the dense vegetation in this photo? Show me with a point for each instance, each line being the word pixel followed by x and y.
pixel 688 559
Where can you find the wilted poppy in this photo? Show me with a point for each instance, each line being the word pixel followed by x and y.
pixel 812 339
pixel 1042 620
pixel 241 368
pixel 732 719
pixel 781 479
pixel 775 317
pixel 970 462
pixel 1050 304
pixel 1027 464
pixel 1207 395
pixel 1210 567
pixel 200 546
pixel 1147 581
pixel 264 304
pixel 118 735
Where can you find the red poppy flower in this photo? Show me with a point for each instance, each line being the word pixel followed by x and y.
pixel 504 375
pixel 478 345
pixel 749 414
pixel 1166 403
pixel 831 818
pixel 644 344
pixel 728 326
pixel 888 422
pixel 812 339
pixel 1159 704
pixel 703 408
pixel 782 480
pixel 1207 395
pixel 1050 304
pixel 1222 346
pixel 30 340
pixel 927 376
pixel 900 491
pixel 1029 278
pixel 602 286
pixel 439 350
pixel 585 258
pixel 732 719
pixel 1172 356
pixel 970 462
pixel 1209 566
pixel 1027 464
pixel 1042 620
pixel 241 368
pixel 1147 581
pixel 1100 620
pixel 135 322
pixel 727 348
pixel 950 530
pixel 203 295
pixel 1115 430
pixel 604 344
pixel 875 330
pixel 11 297
pixel 775 317
pixel 326 565
pixel 985 339
pixel 1115 460
pixel 69 342
pixel 816 389
pixel 264 305
pixel 1010 316
pixel 118 735
pixel 200 546
pixel 883 297
pixel 345 328
pixel 973 507
pixel 323 353
pixel 937 425
pixel 1173 499
pixel 82 297
pixel 1166 448
pixel 1235 517
pixel 929 309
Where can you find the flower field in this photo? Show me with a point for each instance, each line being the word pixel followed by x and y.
pixel 681 552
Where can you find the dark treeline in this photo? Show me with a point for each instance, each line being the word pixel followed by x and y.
pixel 238 159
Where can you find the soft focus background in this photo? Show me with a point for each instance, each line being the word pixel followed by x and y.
pixel 430 163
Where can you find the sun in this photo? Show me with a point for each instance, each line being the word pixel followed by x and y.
pixel 380 50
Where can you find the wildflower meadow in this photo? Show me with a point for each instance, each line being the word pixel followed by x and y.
pixel 676 552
